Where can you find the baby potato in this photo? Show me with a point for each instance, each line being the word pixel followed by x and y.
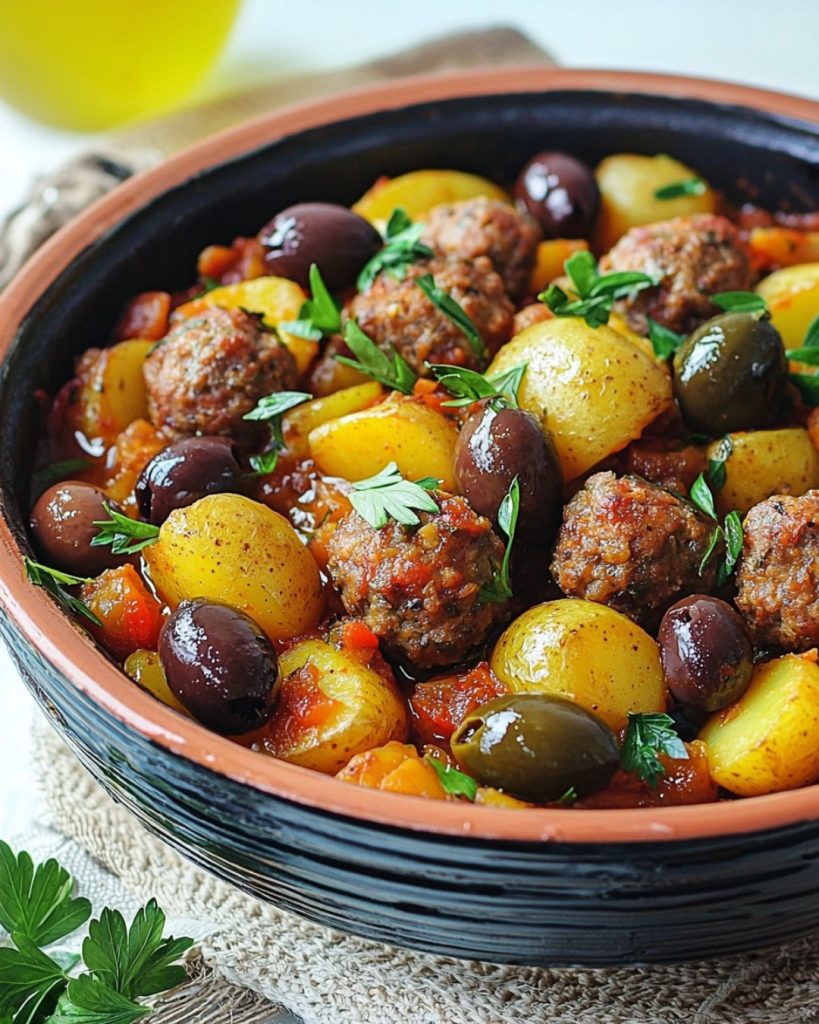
pixel 768 741
pixel 395 767
pixel 627 183
pixel 585 652
pixel 592 389
pixel 112 391
pixel 419 191
pixel 299 422
pixel 229 549
pixel 331 707
pixel 403 430
pixel 763 463
pixel 792 295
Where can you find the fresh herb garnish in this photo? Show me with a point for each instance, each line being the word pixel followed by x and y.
pixel 663 339
pixel 451 309
pixel 125 535
pixel 121 965
pixel 391 371
pixel 402 247
pixel 54 472
pixel 716 465
pixel 54 582
pixel 387 495
pixel 597 292
pixel 733 543
pixel 678 189
pixel 741 302
pixel 453 781
pixel 568 798
pixel 702 497
pixel 808 383
pixel 499 588
pixel 808 386
pixel 271 409
pixel 730 531
pixel 647 736
pixel 318 316
pixel 468 386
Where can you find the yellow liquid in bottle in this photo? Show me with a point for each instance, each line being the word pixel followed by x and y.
pixel 91 64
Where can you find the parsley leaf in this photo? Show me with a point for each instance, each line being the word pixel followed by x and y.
pixel 716 465
pixel 731 531
pixel 449 307
pixel 663 339
pixel 55 582
pixel 453 781
pixel 647 736
pixel 499 589
pixel 741 302
pixel 808 386
pixel 702 497
pixel 402 247
pixel 568 798
pixel 27 979
pixel 89 1001
pixel 125 535
pixel 678 189
pixel 387 495
pixel 469 386
pixel 733 544
pixel 37 902
pixel 319 315
pixel 391 371
pixel 597 292
pixel 54 472
pixel 808 383
pixel 271 409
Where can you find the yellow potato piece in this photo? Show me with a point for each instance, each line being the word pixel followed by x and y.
pixel 402 430
pixel 585 652
pixel 113 392
pixel 230 549
pixel 419 191
pixel 768 741
pixel 299 422
pixel 792 295
pixel 146 671
pixel 363 711
pixel 766 462
pixel 627 183
pixel 593 390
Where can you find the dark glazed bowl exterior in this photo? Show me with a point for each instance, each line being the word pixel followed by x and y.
pixel 553 887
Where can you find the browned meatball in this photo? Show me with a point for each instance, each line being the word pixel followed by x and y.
pixel 778 576
pixel 419 590
pixel 487 227
pixel 209 371
pixel 633 546
pixel 693 257
pixel 397 313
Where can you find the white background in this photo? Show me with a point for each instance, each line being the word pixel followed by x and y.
pixel 774 45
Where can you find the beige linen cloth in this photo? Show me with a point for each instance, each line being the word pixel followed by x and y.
pixel 255 964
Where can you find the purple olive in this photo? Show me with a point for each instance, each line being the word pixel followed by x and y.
pixel 183 473
pixel 337 240
pixel 494 447
pixel 560 193
pixel 62 523
pixel 220 665
pixel 706 653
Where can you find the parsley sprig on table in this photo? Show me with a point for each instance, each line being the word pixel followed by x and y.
pixel 387 495
pixel 444 302
pixel 55 582
pixel 499 588
pixel 647 736
pixel 119 965
pixel 318 316
pixel 402 247
pixel 597 292
pixel 730 531
pixel 125 535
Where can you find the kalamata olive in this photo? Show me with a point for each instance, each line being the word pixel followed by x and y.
pixel 560 193
pixel 220 665
pixel 183 473
pixel 730 374
pixel 536 746
pixel 62 522
pixel 337 240
pixel 493 448
pixel 706 653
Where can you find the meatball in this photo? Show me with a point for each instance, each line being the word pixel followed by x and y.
pixel 778 575
pixel 692 257
pixel 634 546
pixel 419 590
pixel 212 369
pixel 487 227
pixel 397 313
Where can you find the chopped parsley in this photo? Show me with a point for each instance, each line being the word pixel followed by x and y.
pixel 678 189
pixel 647 736
pixel 597 292
pixel 55 583
pixel 499 588
pixel 387 495
pixel 402 247
pixel 443 301
pixel 393 371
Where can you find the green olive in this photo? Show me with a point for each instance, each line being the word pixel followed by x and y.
pixel 536 746
pixel 730 374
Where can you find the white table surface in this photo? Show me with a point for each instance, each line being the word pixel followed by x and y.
pixel 751 41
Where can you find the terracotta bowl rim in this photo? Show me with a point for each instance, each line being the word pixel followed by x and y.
pixel 71 653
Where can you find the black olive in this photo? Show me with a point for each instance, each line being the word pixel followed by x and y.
pixel 731 374
pixel 184 472
pixel 536 746
pixel 220 665
pixel 337 240
pixel 493 448
pixel 706 653
pixel 560 193
pixel 62 523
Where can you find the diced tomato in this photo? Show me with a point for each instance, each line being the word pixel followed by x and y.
pixel 302 706
pixel 241 261
pixel 145 316
pixel 357 636
pixel 440 705
pixel 132 451
pixel 131 616
pixel 686 781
